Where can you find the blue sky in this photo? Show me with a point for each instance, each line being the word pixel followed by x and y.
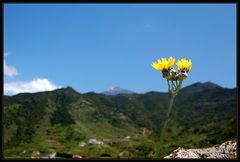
pixel 92 47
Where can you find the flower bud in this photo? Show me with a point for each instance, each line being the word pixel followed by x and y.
pixel 183 75
pixel 173 73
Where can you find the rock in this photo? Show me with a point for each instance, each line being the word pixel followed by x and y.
pixel 123 154
pixel 182 153
pixel 35 154
pixel 52 156
pixel 94 142
pixel 82 144
pixel 127 138
pixel 146 132
pixel 227 150
pixel 24 152
pixel 77 157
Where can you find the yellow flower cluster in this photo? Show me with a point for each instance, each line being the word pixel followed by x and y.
pixel 166 67
pixel 184 64
pixel 164 64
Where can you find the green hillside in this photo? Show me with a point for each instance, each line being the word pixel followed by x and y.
pixel 129 125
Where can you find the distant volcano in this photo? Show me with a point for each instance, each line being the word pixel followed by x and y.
pixel 115 90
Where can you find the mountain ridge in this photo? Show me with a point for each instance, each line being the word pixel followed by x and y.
pixel 58 120
pixel 115 90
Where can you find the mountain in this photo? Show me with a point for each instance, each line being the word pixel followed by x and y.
pixel 199 87
pixel 64 121
pixel 115 90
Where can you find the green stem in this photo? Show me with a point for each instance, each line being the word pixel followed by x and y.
pixel 168 114
pixel 173 86
pixel 168 85
pixel 176 83
pixel 170 105
pixel 179 86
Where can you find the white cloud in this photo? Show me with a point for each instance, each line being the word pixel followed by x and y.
pixel 36 85
pixel 9 70
pixel 147 25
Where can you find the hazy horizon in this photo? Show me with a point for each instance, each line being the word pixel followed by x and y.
pixel 116 86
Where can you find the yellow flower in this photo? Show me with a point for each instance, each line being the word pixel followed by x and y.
pixel 164 64
pixel 171 61
pixel 184 64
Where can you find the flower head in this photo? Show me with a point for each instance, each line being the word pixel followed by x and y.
pixel 174 78
pixel 171 61
pixel 164 64
pixel 184 65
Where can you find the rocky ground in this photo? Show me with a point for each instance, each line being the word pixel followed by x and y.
pixel 227 150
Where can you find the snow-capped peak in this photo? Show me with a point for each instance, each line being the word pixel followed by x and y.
pixel 115 90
